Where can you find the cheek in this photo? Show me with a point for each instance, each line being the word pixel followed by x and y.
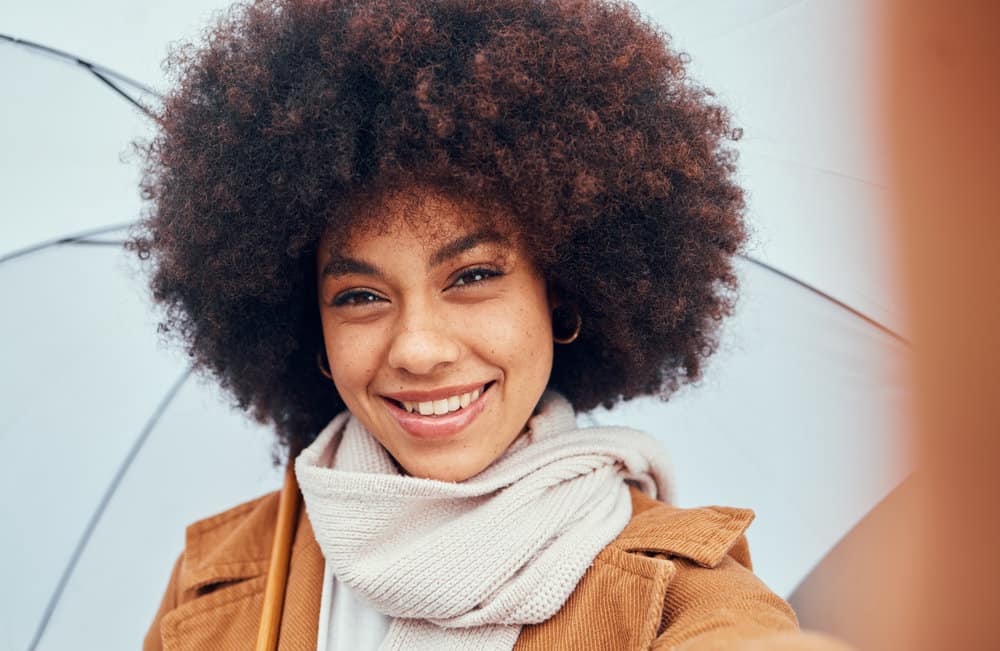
pixel 353 353
pixel 516 334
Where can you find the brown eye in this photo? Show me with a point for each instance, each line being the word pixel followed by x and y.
pixel 475 275
pixel 355 297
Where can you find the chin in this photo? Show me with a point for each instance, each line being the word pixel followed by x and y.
pixel 449 472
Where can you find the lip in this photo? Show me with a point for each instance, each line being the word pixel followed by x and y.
pixel 436 394
pixel 436 428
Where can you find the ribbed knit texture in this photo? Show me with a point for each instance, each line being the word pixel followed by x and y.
pixel 466 565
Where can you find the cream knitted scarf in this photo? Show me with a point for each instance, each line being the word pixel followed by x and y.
pixel 466 565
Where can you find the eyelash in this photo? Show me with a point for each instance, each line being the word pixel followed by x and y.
pixel 486 273
pixel 368 297
pixel 345 299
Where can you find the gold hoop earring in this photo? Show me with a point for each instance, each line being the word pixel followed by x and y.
pixel 573 335
pixel 322 367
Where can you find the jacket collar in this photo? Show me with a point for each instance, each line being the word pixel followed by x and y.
pixel 231 546
pixel 626 584
pixel 703 535
pixel 236 544
pixel 618 603
pixel 234 548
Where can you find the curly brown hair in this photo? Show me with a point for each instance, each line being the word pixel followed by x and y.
pixel 576 115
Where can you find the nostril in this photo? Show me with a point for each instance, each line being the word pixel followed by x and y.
pixel 422 351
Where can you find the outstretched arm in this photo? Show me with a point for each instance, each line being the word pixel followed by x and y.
pixel 728 607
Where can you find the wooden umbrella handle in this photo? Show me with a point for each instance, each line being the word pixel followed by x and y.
pixel 281 552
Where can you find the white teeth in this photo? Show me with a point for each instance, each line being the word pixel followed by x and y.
pixel 443 406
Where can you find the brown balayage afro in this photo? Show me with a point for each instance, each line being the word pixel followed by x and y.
pixel 575 115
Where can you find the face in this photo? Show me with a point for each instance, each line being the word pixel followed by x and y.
pixel 438 333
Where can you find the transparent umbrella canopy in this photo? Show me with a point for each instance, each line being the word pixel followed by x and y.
pixel 111 446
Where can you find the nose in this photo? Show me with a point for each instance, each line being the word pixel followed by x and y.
pixel 422 346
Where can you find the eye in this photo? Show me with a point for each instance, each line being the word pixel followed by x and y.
pixel 355 297
pixel 475 275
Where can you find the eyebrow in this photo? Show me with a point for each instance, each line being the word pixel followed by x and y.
pixel 461 245
pixel 342 265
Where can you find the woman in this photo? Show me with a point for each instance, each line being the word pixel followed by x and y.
pixel 418 237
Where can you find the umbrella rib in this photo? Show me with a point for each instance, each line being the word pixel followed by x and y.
pixel 69 239
pixel 101 72
pixel 103 505
pixel 61 54
pixel 819 292
pixel 823 170
pixel 139 105
pixel 116 243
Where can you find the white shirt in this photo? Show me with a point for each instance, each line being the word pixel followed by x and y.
pixel 346 621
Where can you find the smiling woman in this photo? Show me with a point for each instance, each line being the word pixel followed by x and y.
pixel 418 237
pixel 441 335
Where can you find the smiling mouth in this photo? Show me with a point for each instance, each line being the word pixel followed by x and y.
pixel 444 406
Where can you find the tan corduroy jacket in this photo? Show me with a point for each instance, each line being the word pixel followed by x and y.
pixel 674 579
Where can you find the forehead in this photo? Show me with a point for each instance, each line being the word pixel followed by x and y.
pixel 416 217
